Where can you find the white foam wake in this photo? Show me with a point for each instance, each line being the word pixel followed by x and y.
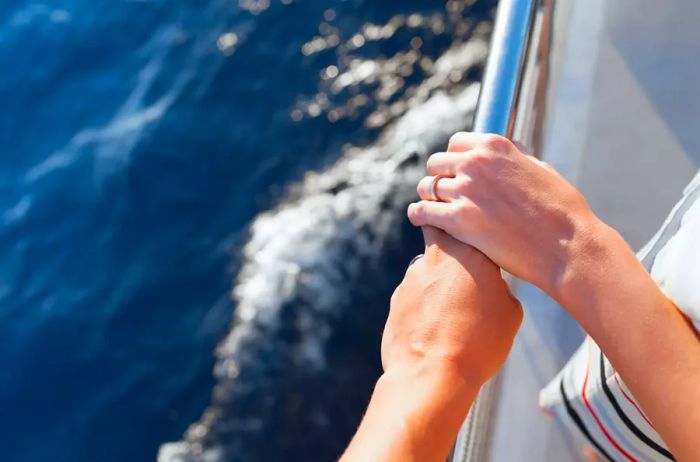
pixel 297 242
pixel 317 240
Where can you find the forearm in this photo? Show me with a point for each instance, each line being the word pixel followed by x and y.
pixel 645 337
pixel 412 416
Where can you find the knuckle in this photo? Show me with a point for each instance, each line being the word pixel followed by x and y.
pixel 463 162
pixel 496 143
pixel 456 188
pixel 456 213
pixel 465 187
pixel 463 214
pixel 477 161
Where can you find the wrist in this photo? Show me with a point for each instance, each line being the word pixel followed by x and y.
pixel 428 407
pixel 434 382
pixel 588 242
pixel 601 267
pixel 414 415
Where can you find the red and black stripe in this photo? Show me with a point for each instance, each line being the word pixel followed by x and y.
pixel 579 423
pixel 625 419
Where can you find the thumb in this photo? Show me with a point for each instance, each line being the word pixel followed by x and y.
pixel 437 240
pixel 431 236
pixel 438 244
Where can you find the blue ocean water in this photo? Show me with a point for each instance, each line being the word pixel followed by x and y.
pixel 155 156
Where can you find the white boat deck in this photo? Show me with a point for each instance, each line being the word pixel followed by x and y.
pixel 621 122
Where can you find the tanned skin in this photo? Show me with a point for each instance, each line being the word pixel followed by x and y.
pixel 451 325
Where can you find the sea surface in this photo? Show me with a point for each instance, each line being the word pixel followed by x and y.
pixel 202 216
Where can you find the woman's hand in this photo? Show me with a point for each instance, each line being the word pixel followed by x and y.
pixel 516 209
pixel 530 221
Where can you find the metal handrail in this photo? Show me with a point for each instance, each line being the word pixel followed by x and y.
pixel 517 53
pixel 505 67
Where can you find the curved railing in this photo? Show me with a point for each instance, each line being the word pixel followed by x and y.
pixel 511 104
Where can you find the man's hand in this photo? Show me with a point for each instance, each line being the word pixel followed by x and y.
pixel 451 325
pixel 516 209
pixel 452 313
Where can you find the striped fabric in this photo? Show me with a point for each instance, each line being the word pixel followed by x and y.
pixel 588 396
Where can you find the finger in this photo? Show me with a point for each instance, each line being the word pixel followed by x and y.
pixel 432 236
pixel 438 242
pixel 437 237
pixel 445 190
pixel 444 163
pixel 437 214
pixel 465 141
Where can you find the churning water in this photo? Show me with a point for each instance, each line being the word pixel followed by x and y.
pixel 157 155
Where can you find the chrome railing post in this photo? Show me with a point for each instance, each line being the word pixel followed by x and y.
pixel 510 58
pixel 504 69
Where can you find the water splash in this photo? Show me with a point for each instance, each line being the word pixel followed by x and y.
pixel 303 258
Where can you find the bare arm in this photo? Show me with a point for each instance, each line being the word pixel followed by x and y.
pixel 412 417
pixel 451 325
pixel 532 222
pixel 645 337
